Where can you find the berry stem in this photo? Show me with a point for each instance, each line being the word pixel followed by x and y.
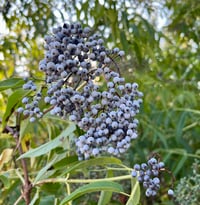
pixel 113 61
pixel 81 181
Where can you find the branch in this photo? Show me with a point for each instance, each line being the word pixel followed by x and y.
pixel 27 186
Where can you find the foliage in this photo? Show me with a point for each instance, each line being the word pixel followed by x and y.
pixel 25 24
pixel 165 63
pixel 187 191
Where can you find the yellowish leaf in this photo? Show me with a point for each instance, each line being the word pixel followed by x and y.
pixel 5 156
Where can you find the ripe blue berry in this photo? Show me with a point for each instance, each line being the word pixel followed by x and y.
pixel 170 192
pixel 149 176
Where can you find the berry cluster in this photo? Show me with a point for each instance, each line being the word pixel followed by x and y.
pixel 31 107
pixel 74 57
pixel 110 122
pixel 148 175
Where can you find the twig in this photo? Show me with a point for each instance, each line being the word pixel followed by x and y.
pixel 18 200
pixel 27 186
pixel 114 62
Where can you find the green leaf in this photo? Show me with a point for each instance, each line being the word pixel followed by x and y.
pixel 24 126
pixel 162 138
pixel 179 152
pixel 149 28
pixel 42 172
pixel 188 110
pixel 35 198
pixel 11 83
pixel 4 178
pixel 135 30
pixel 180 126
pixel 135 193
pixel 45 148
pixel 65 161
pixel 92 162
pixel 156 132
pixel 105 196
pixel 180 164
pixel 58 162
pixel 93 187
pixel 47 200
pixel 137 51
pixel 112 15
pixel 124 40
pixel 13 100
pixel 180 139
pixel 53 117
pixel 54 188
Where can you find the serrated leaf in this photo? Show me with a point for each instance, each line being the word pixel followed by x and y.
pixel 45 148
pixel 11 83
pixel 93 187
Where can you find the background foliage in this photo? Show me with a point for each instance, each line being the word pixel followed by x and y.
pixel 161 41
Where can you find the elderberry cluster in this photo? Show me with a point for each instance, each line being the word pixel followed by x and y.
pixel 110 123
pixel 148 175
pixel 74 57
pixel 31 107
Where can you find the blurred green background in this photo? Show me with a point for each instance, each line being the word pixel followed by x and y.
pixel 161 39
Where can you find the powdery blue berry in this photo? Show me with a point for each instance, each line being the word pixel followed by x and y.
pixel 144 166
pixel 149 176
pixel 121 53
pixel 32 119
pixel 134 173
pixel 137 167
pixel 148 192
pixel 111 150
pixel 170 192
pixel 103 113
pixel 25 100
pixel 161 165
pixel 20 109
pixel 95 151
pixel 156 180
